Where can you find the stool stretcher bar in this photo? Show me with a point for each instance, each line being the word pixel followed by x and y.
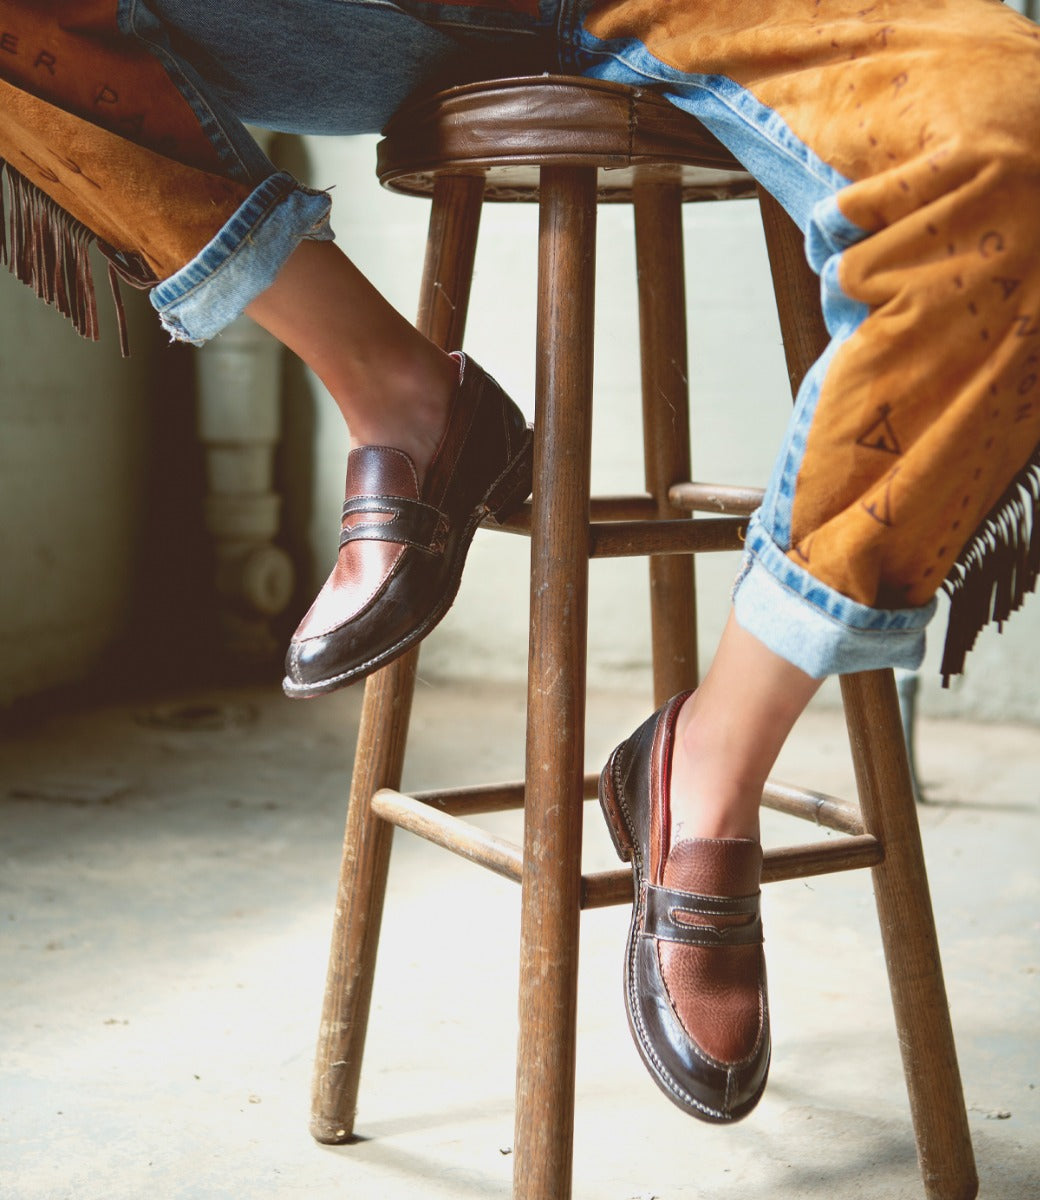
pixel 715 498
pixel 468 841
pixel 828 811
pixel 818 807
pixel 618 539
pixel 505 858
pixel 604 888
pixel 480 798
pixel 720 499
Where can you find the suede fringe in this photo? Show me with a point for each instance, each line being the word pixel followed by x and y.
pixel 46 248
pixel 996 570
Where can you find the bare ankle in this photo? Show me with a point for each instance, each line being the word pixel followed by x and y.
pixel 404 405
pixel 711 796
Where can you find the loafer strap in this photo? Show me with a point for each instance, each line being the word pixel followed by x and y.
pixel 407 523
pixel 665 910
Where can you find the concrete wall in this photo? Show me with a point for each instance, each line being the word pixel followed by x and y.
pixel 740 405
pixel 73 428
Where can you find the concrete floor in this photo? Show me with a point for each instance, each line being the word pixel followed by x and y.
pixel 168 877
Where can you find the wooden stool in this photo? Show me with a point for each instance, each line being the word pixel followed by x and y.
pixel 570 144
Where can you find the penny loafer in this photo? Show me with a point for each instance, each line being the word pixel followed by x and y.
pixel 402 546
pixel 695 984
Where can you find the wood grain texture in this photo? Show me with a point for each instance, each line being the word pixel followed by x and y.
pixel 551 891
pixel 908 934
pixel 661 278
pixel 383 733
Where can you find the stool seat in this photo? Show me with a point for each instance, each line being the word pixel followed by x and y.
pixel 508 130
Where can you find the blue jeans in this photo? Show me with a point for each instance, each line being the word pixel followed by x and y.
pixel 869 502
pixel 318 67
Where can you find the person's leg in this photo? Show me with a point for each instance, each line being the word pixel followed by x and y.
pixel 322 67
pixel 728 735
pixel 392 385
pixel 903 139
pixel 436 445
pixel 159 168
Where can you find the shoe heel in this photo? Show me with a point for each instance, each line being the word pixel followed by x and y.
pixel 615 819
pixel 515 485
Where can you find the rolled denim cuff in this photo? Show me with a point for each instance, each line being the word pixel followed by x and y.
pixel 209 292
pixel 814 627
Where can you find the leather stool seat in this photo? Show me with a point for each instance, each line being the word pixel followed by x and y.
pixel 508 130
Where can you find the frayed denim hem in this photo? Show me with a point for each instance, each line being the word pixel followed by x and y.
pixel 242 261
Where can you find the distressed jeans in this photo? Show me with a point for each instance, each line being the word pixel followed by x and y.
pixel 902 136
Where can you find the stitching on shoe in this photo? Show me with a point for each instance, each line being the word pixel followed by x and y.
pixel 635 933
pixel 665 1077
pixel 703 1055
pixel 385 657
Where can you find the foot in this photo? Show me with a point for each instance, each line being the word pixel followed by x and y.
pixel 408 408
pixel 707 795
pixel 405 536
pixel 695 986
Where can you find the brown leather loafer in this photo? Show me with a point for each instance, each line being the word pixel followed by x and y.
pixel 695 984
pixel 402 547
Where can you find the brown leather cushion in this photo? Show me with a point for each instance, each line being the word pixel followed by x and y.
pixel 510 127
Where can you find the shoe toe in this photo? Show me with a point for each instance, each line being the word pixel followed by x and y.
pixel 402 546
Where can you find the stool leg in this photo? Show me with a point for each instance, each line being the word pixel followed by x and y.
pixel 383 732
pixel 908 932
pixel 657 201
pixel 359 903
pixel 550 904
pixel 797 291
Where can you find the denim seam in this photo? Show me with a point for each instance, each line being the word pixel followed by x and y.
pixel 778 503
pixel 569 16
pixel 818 640
pixel 760 546
pixel 669 75
pixel 208 120
pixel 825 224
pixel 480 27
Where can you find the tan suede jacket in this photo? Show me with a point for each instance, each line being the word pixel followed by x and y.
pixel 97 144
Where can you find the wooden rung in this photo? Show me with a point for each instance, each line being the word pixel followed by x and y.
pixel 601 508
pixel 518 521
pixel 822 858
pixel 715 498
pixel 481 798
pixel 441 828
pixel 818 807
pixel 830 812
pixel 620 539
pixel 603 888
pixel 622 508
